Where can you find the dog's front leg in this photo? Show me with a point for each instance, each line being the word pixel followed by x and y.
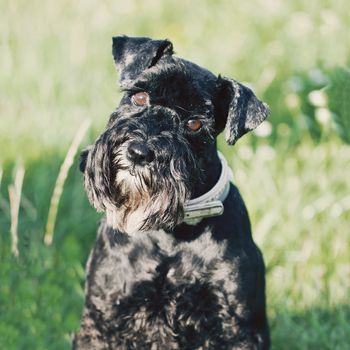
pixel 88 337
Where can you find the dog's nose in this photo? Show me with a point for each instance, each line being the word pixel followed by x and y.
pixel 139 153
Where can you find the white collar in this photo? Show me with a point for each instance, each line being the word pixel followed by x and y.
pixel 210 203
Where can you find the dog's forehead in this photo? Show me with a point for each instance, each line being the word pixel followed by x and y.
pixel 178 79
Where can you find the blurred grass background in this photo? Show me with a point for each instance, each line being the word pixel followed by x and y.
pixel 56 71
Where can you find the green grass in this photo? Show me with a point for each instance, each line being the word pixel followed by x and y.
pixel 56 70
pixel 300 209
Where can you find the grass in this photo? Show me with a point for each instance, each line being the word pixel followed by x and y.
pixel 56 71
pixel 300 209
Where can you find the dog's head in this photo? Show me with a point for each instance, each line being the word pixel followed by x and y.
pixel 159 141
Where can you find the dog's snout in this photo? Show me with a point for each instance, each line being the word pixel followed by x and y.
pixel 139 153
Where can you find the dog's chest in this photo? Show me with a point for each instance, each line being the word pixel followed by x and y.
pixel 151 258
pixel 152 280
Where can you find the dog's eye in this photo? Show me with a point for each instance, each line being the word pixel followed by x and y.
pixel 194 124
pixel 140 99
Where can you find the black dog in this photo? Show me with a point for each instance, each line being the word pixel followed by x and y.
pixel 174 265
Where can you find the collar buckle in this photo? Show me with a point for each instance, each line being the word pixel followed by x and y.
pixel 196 212
pixel 211 203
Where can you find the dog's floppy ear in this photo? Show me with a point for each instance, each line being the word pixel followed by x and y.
pixel 238 110
pixel 134 55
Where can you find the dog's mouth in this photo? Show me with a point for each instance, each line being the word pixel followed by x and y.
pixel 148 197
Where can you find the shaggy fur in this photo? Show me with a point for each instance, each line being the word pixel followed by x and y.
pixel 154 282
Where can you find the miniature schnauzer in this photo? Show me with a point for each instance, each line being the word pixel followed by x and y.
pixel 174 265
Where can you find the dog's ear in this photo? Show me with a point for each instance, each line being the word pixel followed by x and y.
pixel 134 55
pixel 238 110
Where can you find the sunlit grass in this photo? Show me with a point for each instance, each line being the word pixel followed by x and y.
pixel 15 192
pixel 299 202
pixel 57 69
pixel 301 215
pixel 61 179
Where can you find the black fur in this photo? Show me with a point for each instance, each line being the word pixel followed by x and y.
pixel 153 281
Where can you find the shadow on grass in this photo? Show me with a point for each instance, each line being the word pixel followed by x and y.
pixel 315 328
pixel 41 291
